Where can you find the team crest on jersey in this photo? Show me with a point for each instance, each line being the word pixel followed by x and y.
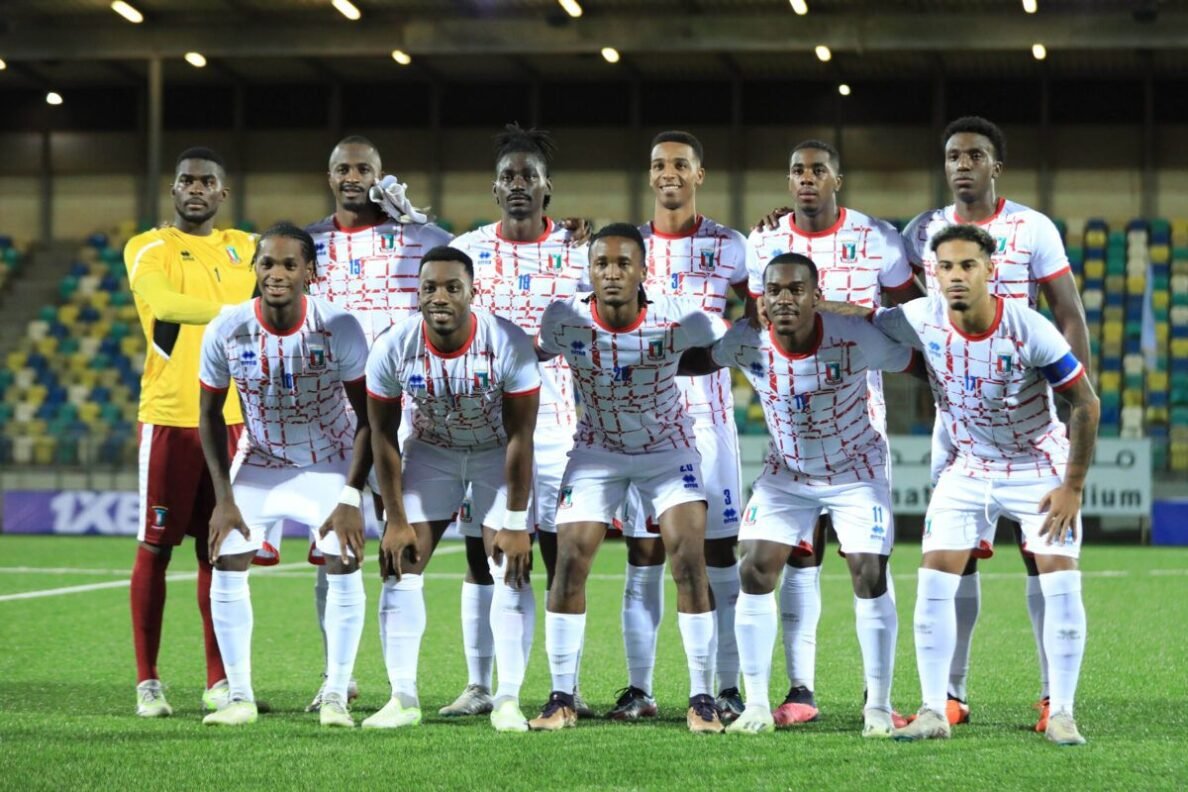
pixel 849 251
pixel 565 498
pixel 751 515
pixel 555 260
pixel 317 356
pixel 655 349
pixel 160 513
pixel 233 254
pixel 833 372
pixel 387 241
pixel 1002 244
pixel 464 511
pixel 1004 364
pixel 707 260
pixel 356 266
pixel 482 379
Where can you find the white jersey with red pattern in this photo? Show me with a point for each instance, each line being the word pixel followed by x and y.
pixel 627 377
pixel 1029 253
pixel 372 271
pixel 295 410
pixel 814 402
pixel 518 281
pixel 857 258
pixel 993 391
pixel 456 398
pixel 703 264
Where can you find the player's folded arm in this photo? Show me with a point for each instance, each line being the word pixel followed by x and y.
pixel 169 305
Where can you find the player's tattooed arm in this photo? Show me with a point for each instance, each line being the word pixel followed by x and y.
pixel 1068 314
pixel 513 542
pixel 1063 503
pixel 212 431
pixel 399 541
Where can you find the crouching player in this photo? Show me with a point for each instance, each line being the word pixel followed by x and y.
pixel 810 371
pixel 993 364
pixel 297 362
pixel 474 388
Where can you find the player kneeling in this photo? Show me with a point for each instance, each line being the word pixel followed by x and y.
pixel 810 371
pixel 473 387
pixel 298 363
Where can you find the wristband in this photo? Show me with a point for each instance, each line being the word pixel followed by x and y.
pixel 515 520
pixel 350 497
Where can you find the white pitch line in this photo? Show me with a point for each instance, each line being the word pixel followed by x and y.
pixel 27 570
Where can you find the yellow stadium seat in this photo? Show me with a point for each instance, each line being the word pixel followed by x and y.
pixel 88 411
pixel 1160 300
pixel 1095 238
pixel 131 346
pixel 99 330
pixel 1157 415
pixel 87 378
pixel 108 378
pixel 101 300
pixel 1136 284
pixel 68 315
pixel 43 450
pixel 1133 399
pixel 1160 254
pixel 47 347
pixel 1179 347
pixel 1110 381
pixel 1095 269
pixel 36 395
pixel 16 360
pixel 1111 333
pixel 127 313
pixel 1162 332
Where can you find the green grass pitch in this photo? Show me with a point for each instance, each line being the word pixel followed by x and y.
pixel 67 700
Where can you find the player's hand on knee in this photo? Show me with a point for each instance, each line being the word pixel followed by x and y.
pixel 1061 506
pixel 224 520
pixel 399 542
pixel 516 548
pixel 347 524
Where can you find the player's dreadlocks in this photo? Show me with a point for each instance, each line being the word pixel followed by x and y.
pixel 514 139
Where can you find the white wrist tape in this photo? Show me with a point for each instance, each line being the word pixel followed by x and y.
pixel 515 520
pixel 351 497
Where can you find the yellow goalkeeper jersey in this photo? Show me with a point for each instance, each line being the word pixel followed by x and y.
pixel 180 282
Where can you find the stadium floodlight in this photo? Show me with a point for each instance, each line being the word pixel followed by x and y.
pixel 823 53
pixel 401 57
pixel 610 54
pixel 844 89
pixel 571 7
pixel 800 7
pixel 1039 51
pixel 347 9
pixel 3 65
pixel 196 59
pixel 127 12
pixel 53 97
pixel 1030 6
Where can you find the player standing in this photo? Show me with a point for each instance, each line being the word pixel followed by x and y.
pixel 859 259
pixel 181 277
pixel 623 349
pixel 298 361
pixel 474 387
pixel 522 263
pixel 828 453
pixel 1029 260
pixel 993 364
pixel 368 253
pixel 689 255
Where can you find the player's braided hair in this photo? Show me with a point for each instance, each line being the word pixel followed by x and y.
pixel 290 231
pixel 514 139
pixel 978 126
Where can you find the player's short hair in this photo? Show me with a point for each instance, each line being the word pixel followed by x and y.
pixel 447 253
pixel 965 232
pixel 356 140
pixel 792 258
pixel 685 138
pixel 819 145
pixel 200 153
pixel 624 230
pixel 978 126
pixel 514 139
pixel 290 231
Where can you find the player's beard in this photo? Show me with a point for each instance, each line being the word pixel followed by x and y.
pixel 350 203
pixel 198 218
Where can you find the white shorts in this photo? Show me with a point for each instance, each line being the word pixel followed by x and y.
pixel 441 482
pixel 784 510
pixel 266 497
pixel 596 482
pixel 718 446
pixel 550 453
pixel 963 514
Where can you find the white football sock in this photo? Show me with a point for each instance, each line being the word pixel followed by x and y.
pixel 477 641
pixel 402 611
pixel 1035 609
pixel 1064 635
pixel 800 610
pixel 698 634
pixel 725 584
pixel 231 612
pixel 321 586
pixel 968 604
pixel 563 642
pixel 643 610
pixel 755 622
pixel 936 632
pixel 878 626
pixel 345 605
pixel 513 615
